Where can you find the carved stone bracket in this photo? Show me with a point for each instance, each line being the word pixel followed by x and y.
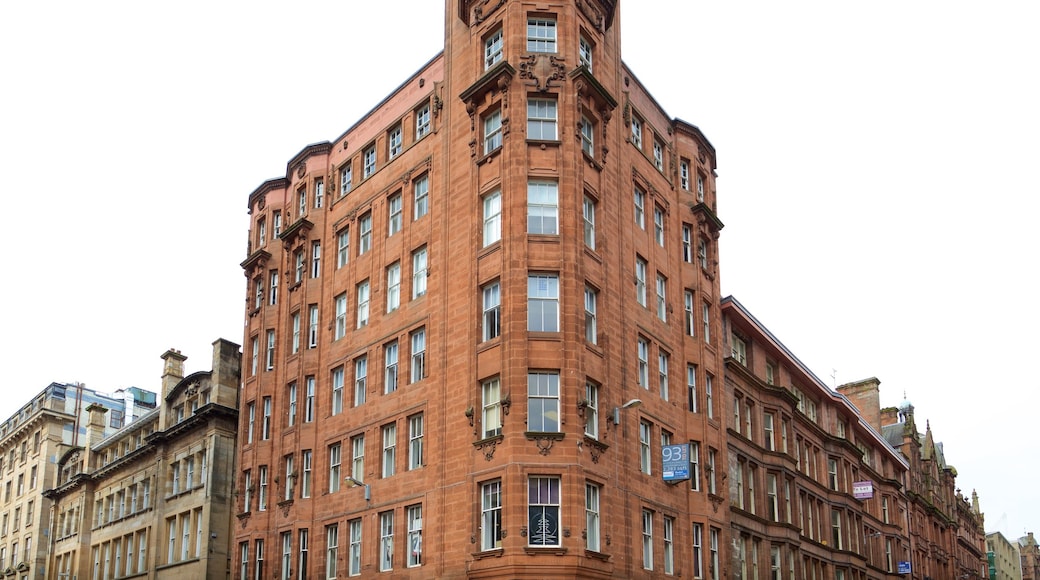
pixel 544 441
pixel 488 446
pixel 716 501
pixel 596 448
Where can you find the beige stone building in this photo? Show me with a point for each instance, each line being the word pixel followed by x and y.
pixel 1004 557
pixel 152 500
pixel 54 420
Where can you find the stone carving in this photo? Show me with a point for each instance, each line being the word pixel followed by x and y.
pixel 543 69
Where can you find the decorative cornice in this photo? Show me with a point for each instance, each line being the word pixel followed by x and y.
pixel 265 188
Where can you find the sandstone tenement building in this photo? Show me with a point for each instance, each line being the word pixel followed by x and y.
pixel 476 318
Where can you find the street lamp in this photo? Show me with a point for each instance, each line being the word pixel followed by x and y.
pixel 355 482
pixel 615 417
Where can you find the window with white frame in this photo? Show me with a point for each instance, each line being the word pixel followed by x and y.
pixel 343 247
pixel 265 425
pixel 688 316
pixel 590 314
pixel 491 320
pixel 261 494
pixel 768 430
pixel 418 362
pixel 706 322
pixel 687 243
pixel 684 174
pixel 491 408
pixel 637 131
pixel 543 402
pixel 386 541
pixel 691 387
pixel 541 34
pixel 658 155
pixel 662 285
pixel 419 273
pixel 301 198
pixel 394 214
pixel 368 161
pixel 362 305
pixel 354 566
pixel 695 466
pixel 543 510
pixel 662 374
pixel 269 358
pixel 492 217
pixel 702 253
pixel 422 121
pixel 591 409
pixel 491 515
pixel 357 466
pixel 341 316
pixel 541 119
pixel 295 332
pixel 312 325
pixel 298 266
pixel 360 380
pixel 700 187
pixel 414 519
pixel 389 449
pixel 659 225
pixel 492 131
pixel 421 197
pixel 303 553
pixel 308 405
pixel 493 48
pixel 393 142
pixel 365 234
pixel 319 193
pixel 667 537
pixel 639 199
pixel 543 303
pixel 289 477
pixel 335 458
pixel 542 207
pixel 648 539
pixel 641 281
pixel 306 472
pixel 738 349
pixel 346 178
pixel 644 446
pixel 643 363
pixel 415 441
pixel 588 215
pixel 393 287
pixel 592 493
pixel 588 131
pixel 390 361
pixel 331 551
pixel 337 390
pixel 273 293
pixel 698 551
pixel 585 53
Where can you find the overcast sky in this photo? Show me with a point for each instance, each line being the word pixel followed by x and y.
pixel 877 177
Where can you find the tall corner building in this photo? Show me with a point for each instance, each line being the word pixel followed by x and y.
pixel 478 320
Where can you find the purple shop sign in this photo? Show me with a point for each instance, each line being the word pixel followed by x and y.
pixel 863 489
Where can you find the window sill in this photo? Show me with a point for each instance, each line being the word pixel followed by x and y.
pixel 544 143
pixel 597 555
pixel 487 157
pixel 539 551
pixel 554 336
pixel 492 553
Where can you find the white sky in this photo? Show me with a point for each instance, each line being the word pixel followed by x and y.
pixel 877 178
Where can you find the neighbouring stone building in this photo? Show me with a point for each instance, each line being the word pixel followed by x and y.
pixel 479 317
pixel 947 533
pixel 51 422
pixel 815 491
pixel 1005 560
pixel 1030 552
pixel 153 499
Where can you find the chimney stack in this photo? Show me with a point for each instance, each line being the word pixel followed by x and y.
pixel 173 370
pixel 864 395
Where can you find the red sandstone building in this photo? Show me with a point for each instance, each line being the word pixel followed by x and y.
pixel 815 491
pixel 478 317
